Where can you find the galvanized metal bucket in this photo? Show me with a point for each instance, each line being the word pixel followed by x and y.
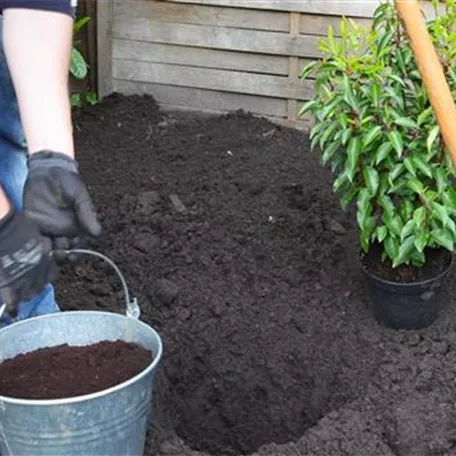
pixel 112 422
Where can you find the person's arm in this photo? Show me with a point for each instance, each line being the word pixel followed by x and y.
pixel 37 46
pixel 5 206
pixel 38 42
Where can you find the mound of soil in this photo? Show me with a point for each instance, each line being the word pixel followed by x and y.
pixel 64 371
pixel 242 259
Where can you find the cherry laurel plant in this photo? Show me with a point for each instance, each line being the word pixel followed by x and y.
pixel 376 130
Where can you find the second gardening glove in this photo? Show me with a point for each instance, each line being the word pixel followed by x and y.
pixel 25 263
pixel 57 200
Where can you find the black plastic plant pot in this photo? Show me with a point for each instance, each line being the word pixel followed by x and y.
pixel 406 306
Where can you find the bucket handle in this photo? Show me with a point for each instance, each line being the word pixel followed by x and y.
pixel 132 307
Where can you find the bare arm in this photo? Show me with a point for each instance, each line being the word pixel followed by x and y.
pixel 38 49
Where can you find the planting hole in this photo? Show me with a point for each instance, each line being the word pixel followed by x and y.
pixel 260 388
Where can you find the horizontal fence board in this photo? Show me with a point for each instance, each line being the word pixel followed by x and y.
pixel 205 99
pixel 213 37
pixel 314 24
pixel 202 15
pixel 223 80
pixel 357 8
pixel 199 57
pixel 354 8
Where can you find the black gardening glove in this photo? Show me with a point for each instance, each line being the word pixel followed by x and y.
pixel 25 262
pixel 58 201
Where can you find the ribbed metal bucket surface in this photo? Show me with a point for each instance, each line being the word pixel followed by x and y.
pixel 112 422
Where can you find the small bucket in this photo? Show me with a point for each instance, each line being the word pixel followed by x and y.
pixel 107 423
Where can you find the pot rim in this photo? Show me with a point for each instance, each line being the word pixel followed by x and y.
pixel 408 284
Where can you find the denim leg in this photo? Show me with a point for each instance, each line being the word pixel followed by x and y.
pixel 13 173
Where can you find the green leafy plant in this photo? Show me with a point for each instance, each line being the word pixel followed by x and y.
pixel 79 67
pixel 376 130
pixel 78 64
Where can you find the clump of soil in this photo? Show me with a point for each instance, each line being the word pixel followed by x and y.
pixel 68 371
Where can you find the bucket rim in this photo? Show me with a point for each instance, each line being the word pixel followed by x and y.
pixel 91 396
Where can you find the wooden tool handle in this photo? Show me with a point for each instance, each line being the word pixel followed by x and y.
pixel 431 71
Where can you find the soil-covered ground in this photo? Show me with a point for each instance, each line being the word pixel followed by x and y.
pixel 229 235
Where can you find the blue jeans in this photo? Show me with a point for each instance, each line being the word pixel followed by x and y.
pixel 13 173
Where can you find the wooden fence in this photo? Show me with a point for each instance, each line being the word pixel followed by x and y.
pixel 217 55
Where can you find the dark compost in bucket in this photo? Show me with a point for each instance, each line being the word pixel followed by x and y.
pixel 65 371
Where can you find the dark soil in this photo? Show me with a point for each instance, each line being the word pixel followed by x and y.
pixel 437 262
pixel 240 256
pixel 64 371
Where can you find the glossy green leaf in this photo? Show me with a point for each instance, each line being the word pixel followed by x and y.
pixel 348 197
pixel 307 70
pixel 452 226
pixel 432 136
pixel 410 166
pixel 401 62
pixel 449 165
pixel 416 185
pixel 407 208
pixel 340 182
pixel 78 65
pixel 443 238
pixel 372 135
pixel 307 107
pixel 353 152
pixel 393 222
pixel 391 246
pixel 329 133
pixel 407 229
pixel 343 28
pixel 441 212
pixel 316 129
pixel 315 141
pixel 422 166
pixel 364 209
pixel 372 180
pixel 384 42
pixel 387 204
pixel 441 179
pixel 419 216
pixel 405 249
pixel 383 152
pixel 381 232
pixel 329 110
pixel 375 91
pixel 449 198
pixel 80 23
pixel 396 78
pixel 346 135
pixel 424 115
pixel 397 142
pixel 395 172
pixel 330 151
pixel 421 240
pixel 405 122
pixel 348 92
pixel 331 40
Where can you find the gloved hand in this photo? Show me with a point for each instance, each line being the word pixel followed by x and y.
pixel 25 262
pixel 58 201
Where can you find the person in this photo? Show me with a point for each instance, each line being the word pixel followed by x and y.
pixel 44 204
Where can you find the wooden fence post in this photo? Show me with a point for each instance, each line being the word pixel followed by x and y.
pixel 293 64
pixel 104 47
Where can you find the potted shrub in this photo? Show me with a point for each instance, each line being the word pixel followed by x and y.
pixel 376 130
